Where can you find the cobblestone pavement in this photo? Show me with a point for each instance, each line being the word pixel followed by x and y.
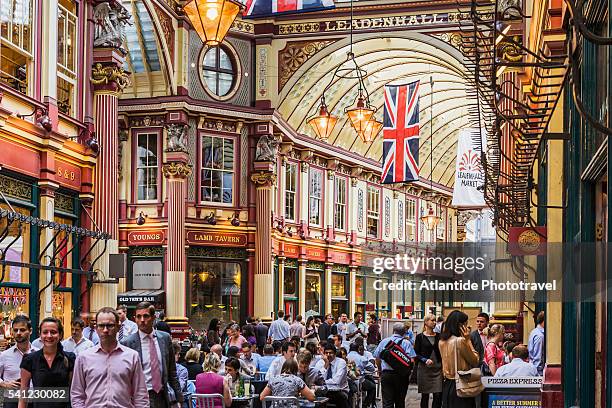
pixel 413 398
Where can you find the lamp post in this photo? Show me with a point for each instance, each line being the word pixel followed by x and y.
pixel 212 19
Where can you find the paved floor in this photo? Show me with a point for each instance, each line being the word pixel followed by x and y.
pixel 413 398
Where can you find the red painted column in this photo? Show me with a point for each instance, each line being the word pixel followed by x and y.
pixel 108 80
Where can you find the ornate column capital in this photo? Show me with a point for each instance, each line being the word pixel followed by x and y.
pixel 176 170
pixel 109 77
pixel 263 179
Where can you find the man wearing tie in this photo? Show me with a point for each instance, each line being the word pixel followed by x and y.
pixel 90 331
pixel 157 357
pixel 479 339
pixel 335 372
pixel 126 326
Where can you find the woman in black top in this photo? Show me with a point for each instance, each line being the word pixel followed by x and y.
pixel 49 367
pixel 429 370
pixel 192 364
pixel 213 332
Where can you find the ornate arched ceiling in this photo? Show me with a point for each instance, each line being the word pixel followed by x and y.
pixel 147 53
pixel 388 58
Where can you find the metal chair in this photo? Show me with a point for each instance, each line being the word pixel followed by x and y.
pixel 281 402
pixel 206 400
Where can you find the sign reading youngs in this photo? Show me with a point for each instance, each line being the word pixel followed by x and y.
pixel 469 173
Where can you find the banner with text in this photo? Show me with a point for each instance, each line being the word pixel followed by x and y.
pixel 469 174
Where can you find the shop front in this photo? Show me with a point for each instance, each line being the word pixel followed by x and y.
pixel 217 281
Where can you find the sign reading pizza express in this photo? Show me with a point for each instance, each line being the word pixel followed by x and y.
pixel 216 238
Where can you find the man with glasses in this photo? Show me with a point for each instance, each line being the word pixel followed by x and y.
pixel 10 360
pixel 108 374
pixel 155 349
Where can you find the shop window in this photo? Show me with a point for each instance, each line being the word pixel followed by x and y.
pixel 410 220
pixel 217 172
pixel 291 173
pixel 220 71
pixel 340 203
pixel 12 302
pixel 16 43
pixel 61 309
pixel 215 291
pixel 147 274
pixel 316 195
pixel 66 55
pixel 18 246
pixel 313 294
pixel 339 285
pixel 360 289
pixel 373 211
pixel 62 246
pixel 339 307
pixel 147 166
pixel 290 281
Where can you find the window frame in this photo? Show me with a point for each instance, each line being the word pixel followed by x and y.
pixel 63 72
pixel 295 217
pixel 235 170
pixel 411 222
pixel 134 181
pixel 28 55
pixel 369 188
pixel 234 58
pixel 321 199
pixel 344 205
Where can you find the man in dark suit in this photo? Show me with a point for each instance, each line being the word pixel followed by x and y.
pixel 325 328
pixel 479 339
pixel 156 357
pixel 261 335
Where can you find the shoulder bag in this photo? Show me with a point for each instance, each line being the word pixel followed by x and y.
pixel 468 383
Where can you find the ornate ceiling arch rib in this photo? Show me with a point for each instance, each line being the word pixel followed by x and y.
pixel 397 57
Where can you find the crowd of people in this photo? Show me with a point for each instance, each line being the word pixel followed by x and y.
pixel 112 361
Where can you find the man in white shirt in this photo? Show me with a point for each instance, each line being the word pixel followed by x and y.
pixel 279 329
pixel 335 372
pixel 519 366
pixel 10 359
pixel 77 343
pixel 277 365
pixel 89 332
pixel 357 328
pixel 126 326
pixel 218 350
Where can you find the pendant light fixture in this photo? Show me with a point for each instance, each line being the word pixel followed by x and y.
pixel 212 19
pixel 361 115
pixel 430 220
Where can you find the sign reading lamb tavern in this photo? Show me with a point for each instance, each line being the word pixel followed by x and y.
pixel 216 238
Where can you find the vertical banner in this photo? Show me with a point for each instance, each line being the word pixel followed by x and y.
pixel 469 173
pixel 401 134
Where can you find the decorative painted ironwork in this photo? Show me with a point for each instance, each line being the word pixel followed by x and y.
pixel 147 251
pixel 15 188
pixel 360 210
pixel 387 216
pixel 315 265
pixel 400 220
pixel 64 203
pixel 294 55
pixel 291 263
pixel 216 252
pixel 340 268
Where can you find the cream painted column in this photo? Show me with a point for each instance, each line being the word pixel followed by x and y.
pixel 328 287
pixel 47 212
pixel 176 170
pixel 330 198
pixel 108 79
pixel 48 48
pixel 302 286
pixel 304 191
pixel 282 182
pixel 264 283
pixel 353 287
pixel 351 222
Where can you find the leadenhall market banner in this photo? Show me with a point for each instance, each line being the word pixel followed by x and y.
pixel 468 191
pixel 492 272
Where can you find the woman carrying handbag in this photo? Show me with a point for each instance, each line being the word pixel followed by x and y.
pixel 459 364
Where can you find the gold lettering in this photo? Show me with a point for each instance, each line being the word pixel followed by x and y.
pixel 424 19
pixel 356 25
pixel 341 25
pixel 400 20
pixel 435 18
pixel 366 23
pixel 328 26
pixel 413 20
pixel 376 22
pixel 387 22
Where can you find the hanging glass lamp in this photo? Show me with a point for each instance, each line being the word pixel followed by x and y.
pixel 212 19
pixel 323 124
pixel 360 115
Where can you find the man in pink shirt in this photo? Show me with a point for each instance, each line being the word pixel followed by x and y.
pixel 108 374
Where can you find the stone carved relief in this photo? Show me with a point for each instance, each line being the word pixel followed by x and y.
pixel 146 121
pixel 267 148
pixel 109 20
pixel 102 75
pixel 294 55
pixel 177 137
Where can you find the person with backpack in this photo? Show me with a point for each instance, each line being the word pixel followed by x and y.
pixel 394 360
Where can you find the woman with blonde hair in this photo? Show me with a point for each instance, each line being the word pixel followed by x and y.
pixel 429 360
pixel 210 382
pixel 192 363
pixel 493 354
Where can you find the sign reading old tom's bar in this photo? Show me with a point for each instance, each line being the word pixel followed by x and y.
pixel 146 237
pixel 216 238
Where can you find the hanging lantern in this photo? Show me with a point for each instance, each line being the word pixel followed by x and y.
pixel 212 19
pixel 430 220
pixel 371 131
pixel 323 123
pixel 360 115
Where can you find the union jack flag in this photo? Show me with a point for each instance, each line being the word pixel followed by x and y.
pixel 262 8
pixel 401 134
